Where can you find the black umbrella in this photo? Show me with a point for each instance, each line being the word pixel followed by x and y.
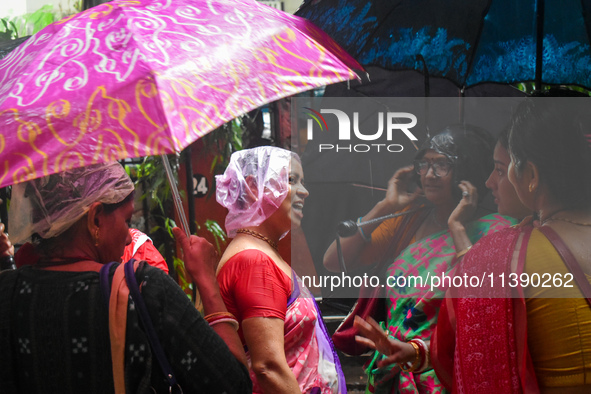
pixel 9 45
pixel 469 43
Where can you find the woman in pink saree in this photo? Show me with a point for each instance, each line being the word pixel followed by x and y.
pixel 288 348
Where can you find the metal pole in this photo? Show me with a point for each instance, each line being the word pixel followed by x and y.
pixel 190 197
pixel 190 201
pixel 176 197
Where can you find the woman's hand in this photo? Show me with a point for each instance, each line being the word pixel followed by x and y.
pixel 376 338
pixel 201 258
pixel 397 195
pixel 201 261
pixel 6 248
pixel 463 213
pixel 467 206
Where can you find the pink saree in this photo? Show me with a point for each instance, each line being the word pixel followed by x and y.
pixel 308 349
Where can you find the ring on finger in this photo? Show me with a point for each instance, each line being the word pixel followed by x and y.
pixel 465 193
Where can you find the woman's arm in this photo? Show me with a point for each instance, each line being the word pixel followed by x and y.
pixel 265 341
pixel 201 261
pixel 6 248
pixel 397 198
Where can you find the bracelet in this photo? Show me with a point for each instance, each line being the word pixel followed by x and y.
pixel 229 320
pixel 219 315
pixel 415 364
pixel 463 252
pixel 365 237
pixel 424 354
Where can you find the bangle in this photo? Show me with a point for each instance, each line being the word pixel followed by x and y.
pixel 365 237
pixel 229 320
pixel 219 315
pixel 463 252
pixel 415 364
pixel 424 354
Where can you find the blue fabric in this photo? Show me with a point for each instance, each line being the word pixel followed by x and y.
pixel 466 42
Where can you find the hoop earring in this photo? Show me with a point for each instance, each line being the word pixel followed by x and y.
pixel 96 237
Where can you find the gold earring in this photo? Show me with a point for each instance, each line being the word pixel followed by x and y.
pixel 531 187
pixel 96 237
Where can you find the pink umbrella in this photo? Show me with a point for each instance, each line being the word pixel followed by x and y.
pixel 137 78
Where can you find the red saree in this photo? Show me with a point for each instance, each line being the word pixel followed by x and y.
pixel 480 342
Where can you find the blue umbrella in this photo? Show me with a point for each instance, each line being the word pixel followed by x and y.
pixel 467 42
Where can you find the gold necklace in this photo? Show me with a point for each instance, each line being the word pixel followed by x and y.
pixel 568 221
pixel 257 235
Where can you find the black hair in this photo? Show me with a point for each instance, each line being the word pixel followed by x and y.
pixel 555 135
pixel 503 138
pixel 109 208
pixel 470 149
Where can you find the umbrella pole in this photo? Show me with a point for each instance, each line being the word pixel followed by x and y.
pixel 539 43
pixel 176 197
pixel 190 197
pixel 190 201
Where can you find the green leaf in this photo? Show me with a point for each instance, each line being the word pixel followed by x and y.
pixel 170 224
pixel 214 163
pixel 179 267
pixel 219 236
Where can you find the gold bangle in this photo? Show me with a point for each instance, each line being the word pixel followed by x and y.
pixel 415 363
pixel 463 252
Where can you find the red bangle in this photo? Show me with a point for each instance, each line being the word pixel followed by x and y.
pixel 218 315
pixel 423 353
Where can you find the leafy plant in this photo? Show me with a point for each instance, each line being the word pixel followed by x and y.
pixel 225 140
pixel 27 24
pixel 219 235
pixel 8 30
pixel 529 88
pixel 151 178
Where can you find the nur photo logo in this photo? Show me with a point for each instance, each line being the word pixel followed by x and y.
pixel 390 125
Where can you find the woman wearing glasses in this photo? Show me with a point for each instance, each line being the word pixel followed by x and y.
pixel 419 244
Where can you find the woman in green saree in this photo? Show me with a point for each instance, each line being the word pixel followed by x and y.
pixel 416 251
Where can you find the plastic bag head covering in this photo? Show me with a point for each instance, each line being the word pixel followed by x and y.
pixel 253 186
pixel 50 205
pixel 470 149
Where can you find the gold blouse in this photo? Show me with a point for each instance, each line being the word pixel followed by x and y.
pixel 558 320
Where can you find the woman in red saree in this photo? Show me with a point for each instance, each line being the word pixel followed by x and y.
pixel 288 348
pixel 529 338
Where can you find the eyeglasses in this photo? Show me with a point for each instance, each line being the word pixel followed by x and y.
pixel 440 167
